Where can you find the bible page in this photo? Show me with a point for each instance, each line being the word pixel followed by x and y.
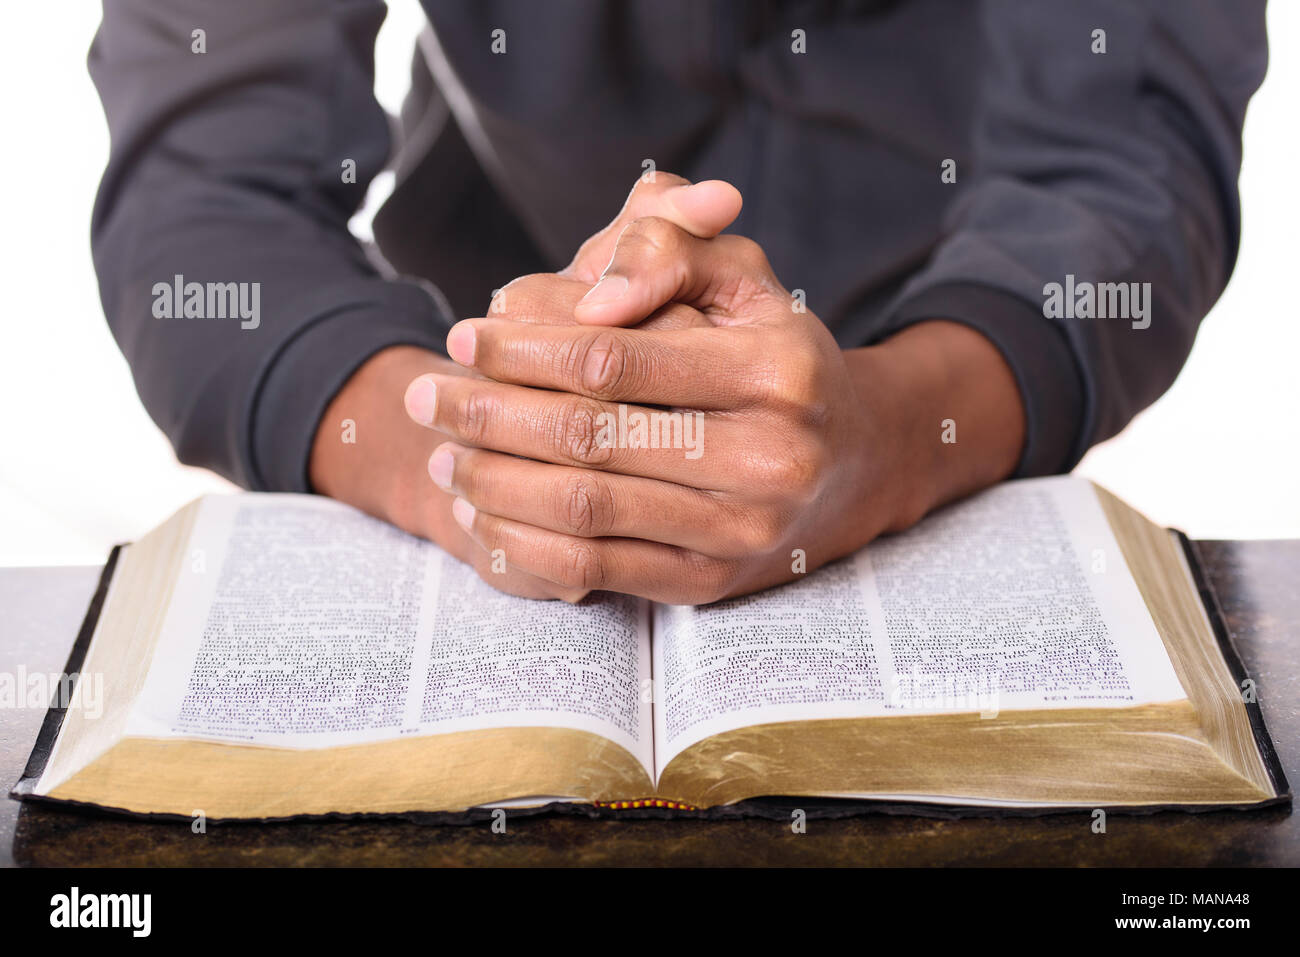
pixel 1016 598
pixel 297 621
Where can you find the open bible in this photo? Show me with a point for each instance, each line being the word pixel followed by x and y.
pixel 1038 645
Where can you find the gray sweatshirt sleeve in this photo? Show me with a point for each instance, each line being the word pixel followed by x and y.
pixel 227 165
pixel 1109 167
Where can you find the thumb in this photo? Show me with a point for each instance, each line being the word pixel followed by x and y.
pixel 701 209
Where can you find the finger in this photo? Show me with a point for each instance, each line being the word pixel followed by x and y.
pixel 702 209
pixel 500 575
pixel 656 262
pixel 675 315
pixel 547 299
pixel 567 429
pixel 646 569
pixel 582 502
pixel 497 572
pixel 542 298
pixel 703 368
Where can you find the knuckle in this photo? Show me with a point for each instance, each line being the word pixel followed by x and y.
pixel 586 507
pixel 577 434
pixel 472 416
pixel 654 234
pixel 819 464
pixel 676 315
pixel 580 566
pixel 814 413
pixel 751 284
pixel 789 474
pixel 602 364
pixel 803 365
pixel 763 532
pixel 804 406
pixel 496 540
pixel 794 388
pixel 748 252
pixel 801 473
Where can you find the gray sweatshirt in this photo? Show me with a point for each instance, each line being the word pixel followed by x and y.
pixel 1060 176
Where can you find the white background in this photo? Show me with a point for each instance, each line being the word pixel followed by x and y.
pixel 82 466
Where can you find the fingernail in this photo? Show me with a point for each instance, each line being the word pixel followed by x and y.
pixel 461 342
pixel 421 400
pixel 442 464
pixel 463 513
pixel 607 290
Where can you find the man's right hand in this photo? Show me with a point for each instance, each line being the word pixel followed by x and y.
pixel 384 472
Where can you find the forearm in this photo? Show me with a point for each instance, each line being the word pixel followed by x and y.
pixel 1137 190
pixel 247 233
pixel 958 418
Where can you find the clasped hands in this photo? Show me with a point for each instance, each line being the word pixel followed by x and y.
pixel 800 452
